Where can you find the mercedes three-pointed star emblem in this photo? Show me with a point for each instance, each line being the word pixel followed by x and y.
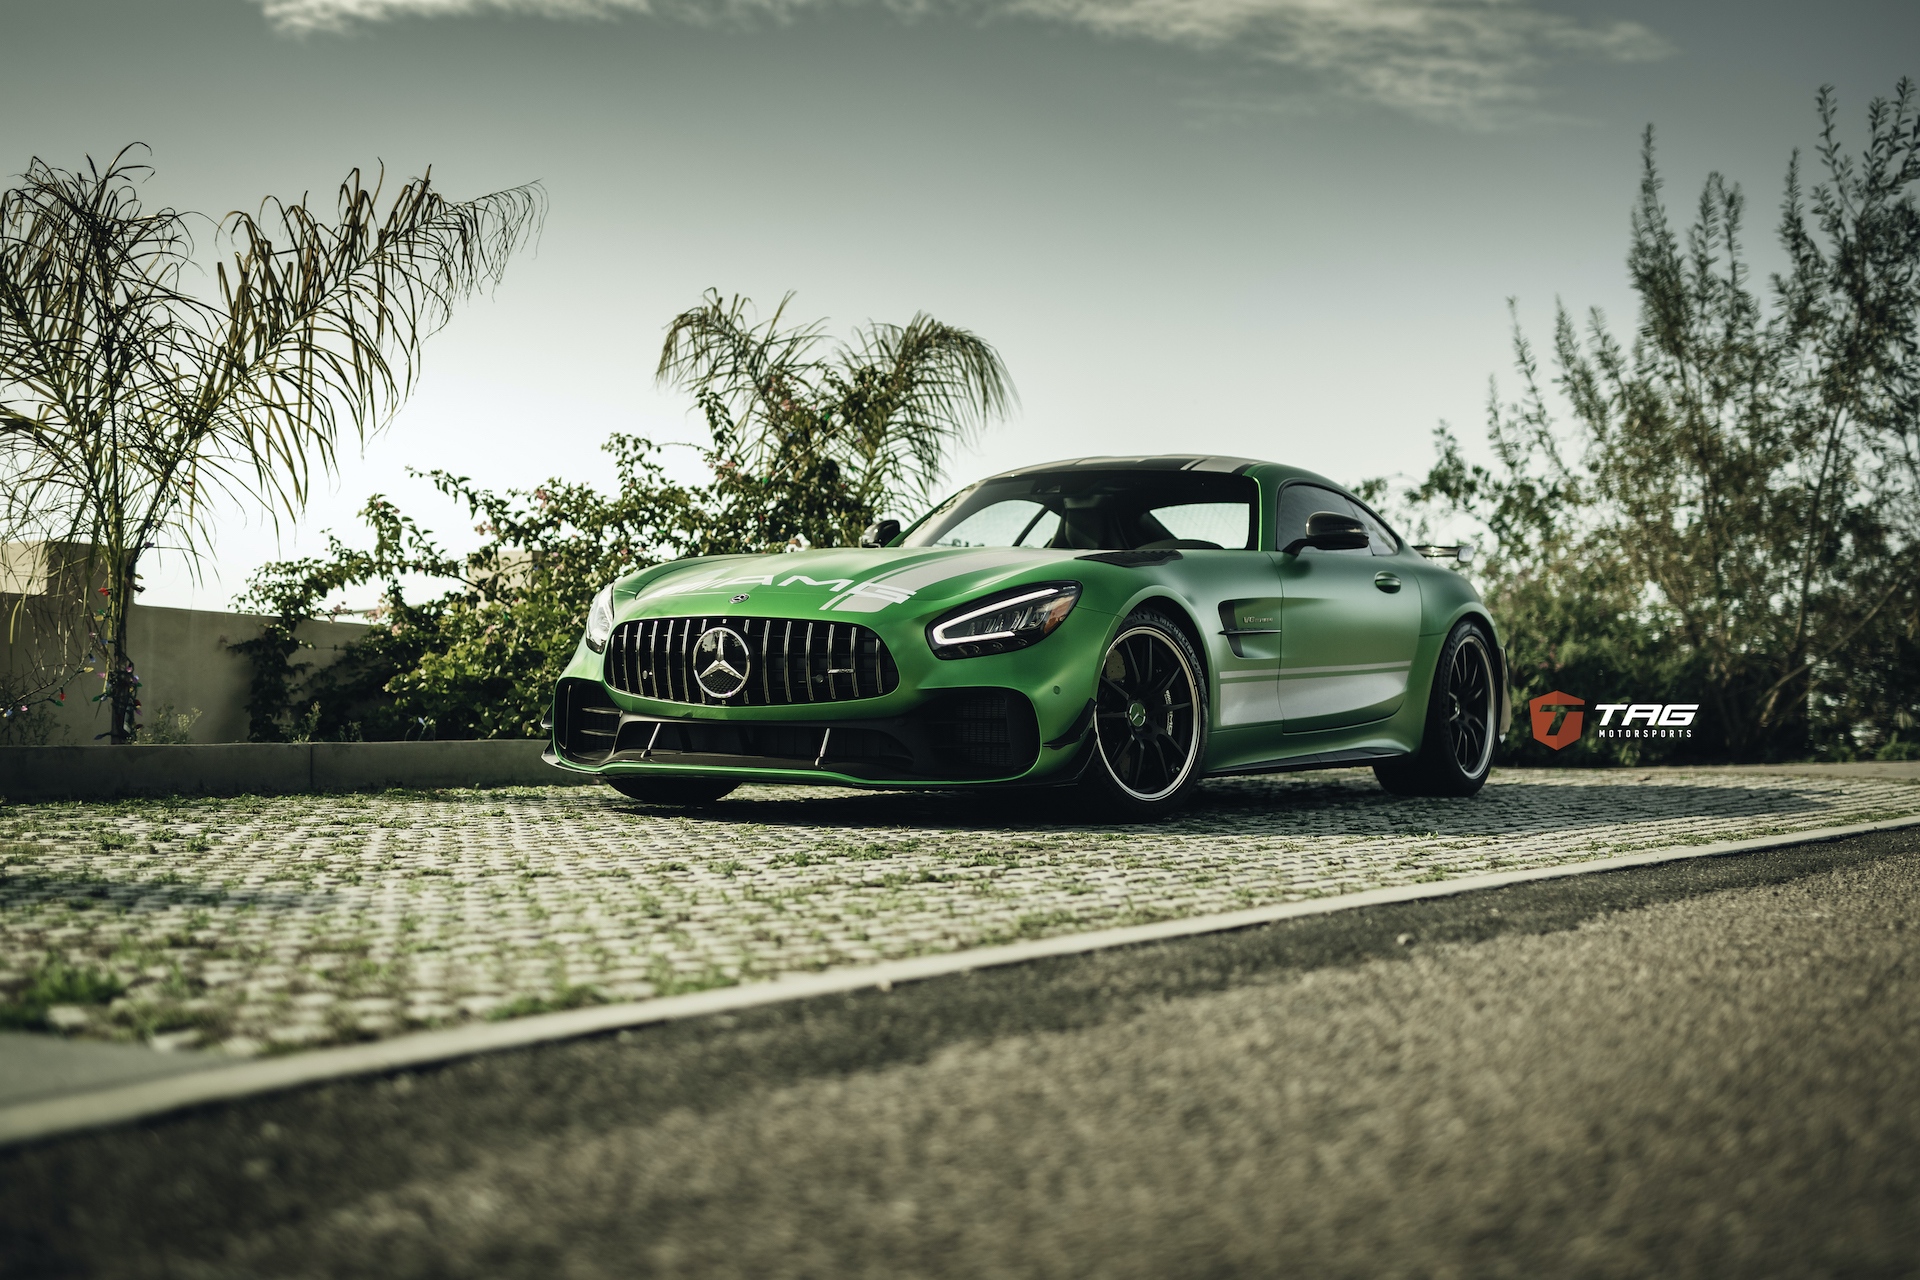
pixel 721 661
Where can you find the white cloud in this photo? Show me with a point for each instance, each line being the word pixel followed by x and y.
pixel 1468 61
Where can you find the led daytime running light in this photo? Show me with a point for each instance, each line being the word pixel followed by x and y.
pixel 941 633
pixel 1015 620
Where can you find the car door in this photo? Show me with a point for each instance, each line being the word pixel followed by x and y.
pixel 1349 622
pixel 1231 579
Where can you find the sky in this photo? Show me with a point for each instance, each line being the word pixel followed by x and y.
pixel 1284 229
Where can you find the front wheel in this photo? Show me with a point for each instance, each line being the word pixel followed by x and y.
pixel 682 793
pixel 1150 721
pixel 1456 751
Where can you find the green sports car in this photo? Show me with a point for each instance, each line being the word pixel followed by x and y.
pixel 1129 625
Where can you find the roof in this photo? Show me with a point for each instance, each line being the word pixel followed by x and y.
pixel 1158 462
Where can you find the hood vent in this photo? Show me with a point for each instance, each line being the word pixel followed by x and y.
pixel 1134 559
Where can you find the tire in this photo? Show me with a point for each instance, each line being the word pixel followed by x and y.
pixel 683 793
pixel 1150 722
pixel 1456 748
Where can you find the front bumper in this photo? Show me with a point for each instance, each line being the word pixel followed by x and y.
pixel 966 735
pixel 1012 717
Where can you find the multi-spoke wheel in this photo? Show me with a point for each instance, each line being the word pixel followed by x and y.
pixel 680 792
pixel 1456 751
pixel 1470 705
pixel 1150 719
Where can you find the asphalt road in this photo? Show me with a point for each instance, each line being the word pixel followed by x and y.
pixel 1709 1068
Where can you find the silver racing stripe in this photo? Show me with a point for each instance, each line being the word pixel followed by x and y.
pixel 1316 696
pixel 951 564
pixel 1246 701
pixel 898 585
pixel 864 595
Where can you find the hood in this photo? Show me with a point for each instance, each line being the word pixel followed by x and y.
pixel 838 582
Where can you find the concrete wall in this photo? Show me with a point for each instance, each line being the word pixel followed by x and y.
pixel 40 568
pixel 102 772
pixel 182 659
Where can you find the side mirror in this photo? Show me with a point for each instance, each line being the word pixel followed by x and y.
pixel 880 533
pixel 1329 531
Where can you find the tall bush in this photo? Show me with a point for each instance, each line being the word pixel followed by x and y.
pixel 806 448
pixel 1731 515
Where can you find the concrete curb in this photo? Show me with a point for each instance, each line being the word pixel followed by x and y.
pixel 100 772
pixel 101 1108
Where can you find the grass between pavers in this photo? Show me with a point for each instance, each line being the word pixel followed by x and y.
pixel 266 924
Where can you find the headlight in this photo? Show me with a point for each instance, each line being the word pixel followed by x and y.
pixel 600 620
pixel 1011 620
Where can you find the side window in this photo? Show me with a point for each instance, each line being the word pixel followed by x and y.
pixel 1380 539
pixel 1224 524
pixel 1299 501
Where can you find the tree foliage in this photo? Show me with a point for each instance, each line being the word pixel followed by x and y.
pixel 1732 516
pixel 805 449
pixel 132 404
pixel 810 445
pixel 471 661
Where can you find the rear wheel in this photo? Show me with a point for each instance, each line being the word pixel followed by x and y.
pixel 1456 751
pixel 680 792
pixel 1150 721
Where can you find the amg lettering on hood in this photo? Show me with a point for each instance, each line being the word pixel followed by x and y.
pixel 848 595
pixel 1558 719
pixel 859 586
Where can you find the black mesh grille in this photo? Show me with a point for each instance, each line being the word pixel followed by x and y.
pixel 765 745
pixel 960 734
pixel 793 661
pixel 986 731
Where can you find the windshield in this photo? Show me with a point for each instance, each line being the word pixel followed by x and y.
pixel 1088 510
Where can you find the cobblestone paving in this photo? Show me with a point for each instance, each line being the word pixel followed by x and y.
pixel 267 924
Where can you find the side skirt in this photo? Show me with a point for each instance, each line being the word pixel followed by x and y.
pixel 1319 760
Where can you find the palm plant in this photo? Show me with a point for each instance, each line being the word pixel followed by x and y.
pixel 130 405
pixel 812 445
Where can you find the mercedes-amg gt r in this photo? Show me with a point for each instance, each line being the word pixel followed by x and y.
pixel 1129 625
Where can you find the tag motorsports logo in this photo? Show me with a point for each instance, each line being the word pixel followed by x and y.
pixel 1559 717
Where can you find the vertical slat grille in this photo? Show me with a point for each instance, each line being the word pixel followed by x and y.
pixel 796 661
pixel 786 661
pixel 806 665
pixel 633 659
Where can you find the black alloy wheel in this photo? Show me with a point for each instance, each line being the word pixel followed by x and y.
pixel 1470 706
pixel 1150 719
pixel 1456 749
pixel 685 793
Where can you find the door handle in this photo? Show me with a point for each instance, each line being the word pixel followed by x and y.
pixel 1386 582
